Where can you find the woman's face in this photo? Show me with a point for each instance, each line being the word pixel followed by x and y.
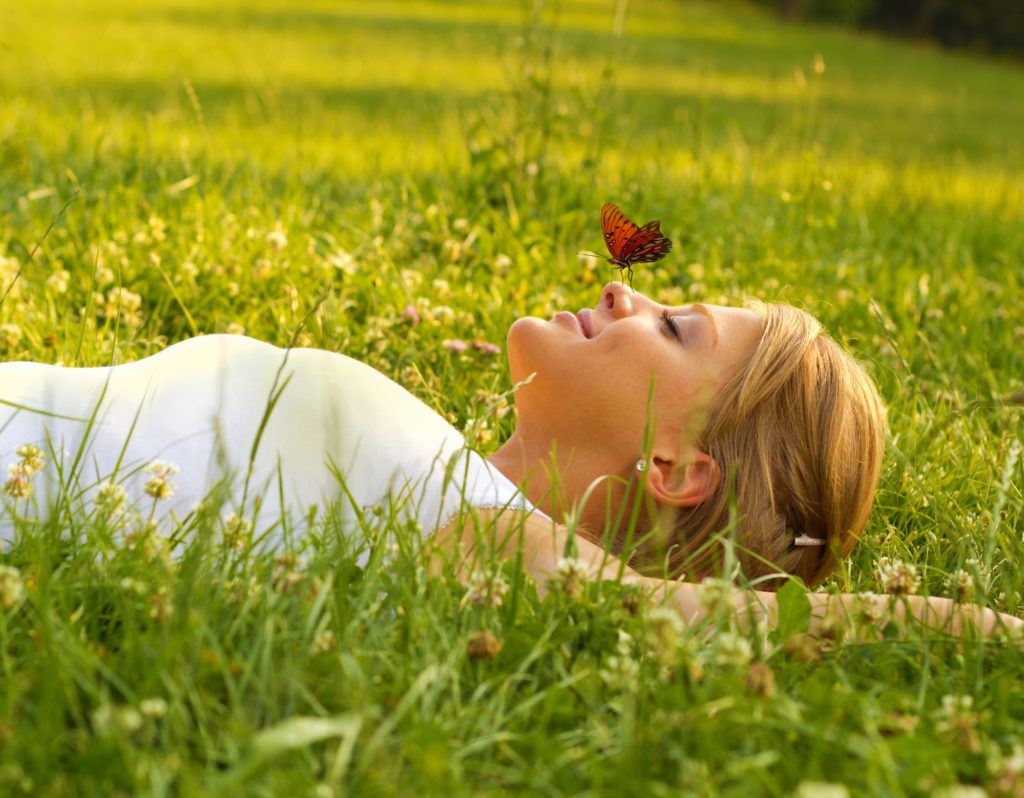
pixel 601 373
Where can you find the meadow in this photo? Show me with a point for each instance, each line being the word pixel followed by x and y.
pixel 308 172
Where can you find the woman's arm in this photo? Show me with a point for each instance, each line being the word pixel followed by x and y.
pixel 542 543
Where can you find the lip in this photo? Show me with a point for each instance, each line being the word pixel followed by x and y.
pixel 571 317
pixel 586 323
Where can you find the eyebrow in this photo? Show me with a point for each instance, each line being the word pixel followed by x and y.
pixel 706 313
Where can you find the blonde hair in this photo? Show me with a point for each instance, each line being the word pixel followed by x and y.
pixel 798 433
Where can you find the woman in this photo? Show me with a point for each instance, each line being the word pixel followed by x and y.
pixel 631 416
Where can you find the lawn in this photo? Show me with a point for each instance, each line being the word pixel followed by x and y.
pixel 305 172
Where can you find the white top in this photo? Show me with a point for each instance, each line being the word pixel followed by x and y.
pixel 336 432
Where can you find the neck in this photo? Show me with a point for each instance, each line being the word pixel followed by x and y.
pixel 556 480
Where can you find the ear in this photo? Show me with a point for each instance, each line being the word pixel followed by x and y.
pixel 683 484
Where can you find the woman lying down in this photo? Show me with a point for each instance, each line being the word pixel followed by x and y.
pixel 646 436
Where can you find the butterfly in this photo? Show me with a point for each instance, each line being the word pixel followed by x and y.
pixel 630 244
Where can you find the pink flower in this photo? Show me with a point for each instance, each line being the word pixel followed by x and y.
pixel 456 345
pixel 486 347
pixel 411 314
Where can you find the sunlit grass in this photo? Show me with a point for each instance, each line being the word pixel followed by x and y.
pixel 228 165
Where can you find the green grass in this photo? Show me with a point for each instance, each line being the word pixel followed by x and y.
pixel 454 155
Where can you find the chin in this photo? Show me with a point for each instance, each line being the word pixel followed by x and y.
pixel 525 339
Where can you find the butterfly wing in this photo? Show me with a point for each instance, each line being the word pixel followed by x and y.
pixel 646 245
pixel 617 229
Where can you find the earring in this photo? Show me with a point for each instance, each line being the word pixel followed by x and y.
pixel 641 464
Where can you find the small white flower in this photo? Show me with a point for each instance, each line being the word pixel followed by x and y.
pixel 12 586
pixel 32 458
pixel 58 281
pixel 237 531
pixel 960 791
pixel 717 596
pixel 154 708
pixel 897 577
pixel 19 484
pixel 324 643
pixel 109 499
pixel 159 485
pixel 570 576
pixel 664 631
pixel 277 239
pixel 820 789
pixel 129 719
pixel 486 590
pixel 732 650
pixel 10 335
pixel 961 585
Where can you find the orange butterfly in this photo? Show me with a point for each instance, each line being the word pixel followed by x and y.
pixel 630 244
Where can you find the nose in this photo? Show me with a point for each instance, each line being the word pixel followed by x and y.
pixel 617 299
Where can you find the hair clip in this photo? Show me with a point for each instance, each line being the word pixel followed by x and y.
pixel 807 540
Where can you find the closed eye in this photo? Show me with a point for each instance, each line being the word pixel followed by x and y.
pixel 670 326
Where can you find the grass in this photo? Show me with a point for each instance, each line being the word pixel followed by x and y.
pixel 230 165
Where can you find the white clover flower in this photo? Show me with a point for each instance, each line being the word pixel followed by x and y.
pixel 621 669
pixel 664 631
pixel 717 596
pixel 159 485
pixel 160 607
pixel 286 571
pixel 19 483
pixel 732 650
pixel 897 577
pixel 59 281
pixel 154 708
pixel 960 791
pixel 132 585
pixel 1007 770
pixel 958 722
pixel 237 531
pixel 570 576
pixel 10 335
pixel 954 706
pixel 31 458
pixel 129 719
pixel 486 590
pixel 110 499
pixel 961 585
pixel 103 720
pixel 820 789
pixel 277 239
pixel 619 672
pixel 12 586
pixel 325 642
